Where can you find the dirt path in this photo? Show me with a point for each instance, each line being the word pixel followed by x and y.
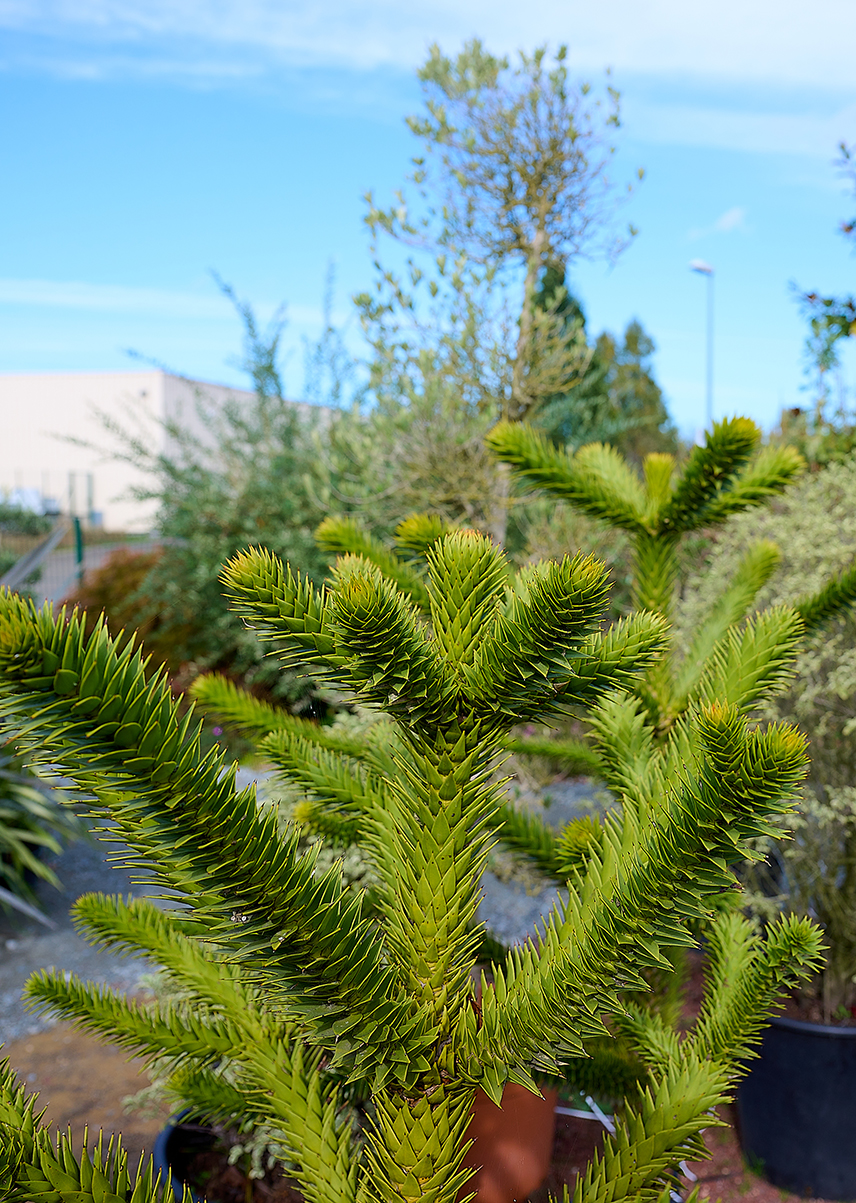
pixel 83 1082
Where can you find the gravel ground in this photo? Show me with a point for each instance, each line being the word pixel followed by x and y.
pixel 26 945
pixel 508 910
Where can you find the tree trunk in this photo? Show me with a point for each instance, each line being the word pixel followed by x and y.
pixel 520 402
pixel 499 510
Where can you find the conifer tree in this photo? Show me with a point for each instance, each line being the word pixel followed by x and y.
pixel 298 1003
pixel 726 475
pixel 725 659
pixel 616 399
pixel 658 509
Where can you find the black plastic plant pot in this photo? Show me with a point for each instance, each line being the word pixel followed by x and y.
pixel 175 1147
pixel 796 1109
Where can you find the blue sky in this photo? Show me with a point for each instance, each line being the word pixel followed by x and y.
pixel 145 142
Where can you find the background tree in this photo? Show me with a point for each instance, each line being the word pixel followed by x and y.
pixel 831 318
pixel 417 449
pixel 513 176
pixel 332 374
pixel 616 400
pixel 253 476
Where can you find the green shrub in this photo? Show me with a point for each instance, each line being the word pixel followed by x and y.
pixel 32 819
pixel 16 520
pixel 251 482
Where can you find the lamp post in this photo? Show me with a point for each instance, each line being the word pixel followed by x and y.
pixel 704 269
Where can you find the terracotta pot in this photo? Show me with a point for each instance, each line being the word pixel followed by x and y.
pixel 513 1144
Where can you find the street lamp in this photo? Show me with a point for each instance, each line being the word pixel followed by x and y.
pixel 704 269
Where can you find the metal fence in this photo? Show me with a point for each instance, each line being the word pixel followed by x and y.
pixel 50 568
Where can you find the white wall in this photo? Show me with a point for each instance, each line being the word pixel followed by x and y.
pixel 37 411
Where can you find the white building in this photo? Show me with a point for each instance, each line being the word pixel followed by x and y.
pixel 41 413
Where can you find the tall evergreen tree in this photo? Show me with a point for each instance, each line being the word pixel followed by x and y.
pixel 615 399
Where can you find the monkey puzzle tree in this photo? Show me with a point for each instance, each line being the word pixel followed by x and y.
pixel 298 1003
pixel 658 510
pixel 729 656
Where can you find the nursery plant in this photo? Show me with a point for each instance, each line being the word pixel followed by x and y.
pixel 815 527
pixel 32 819
pixel 359 1038
pixel 659 510
pixel 404 563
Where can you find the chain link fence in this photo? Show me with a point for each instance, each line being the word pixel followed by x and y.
pixel 50 567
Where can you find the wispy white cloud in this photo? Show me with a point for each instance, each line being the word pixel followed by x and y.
pixel 784 41
pixel 729 221
pixel 107 298
pixel 199 73
pixel 119 299
pixel 774 74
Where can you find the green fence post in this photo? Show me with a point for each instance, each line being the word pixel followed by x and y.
pixel 78 548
